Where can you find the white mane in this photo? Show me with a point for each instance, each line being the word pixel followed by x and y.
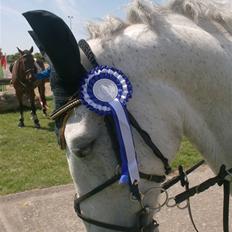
pixel 146 12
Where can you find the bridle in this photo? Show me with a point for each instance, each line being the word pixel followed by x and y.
pixel 134 192
pixel 141 225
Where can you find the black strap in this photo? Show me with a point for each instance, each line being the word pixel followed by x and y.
pixel 79 200
pixel 153 178
pixel 191 215
pixel 147 139
pixel 88 52
pixel 176 179
pixel 226 204
pixel 111 130
pixel 219 179
pixel 99 188
pixel 185 183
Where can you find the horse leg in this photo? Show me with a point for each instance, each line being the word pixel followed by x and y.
pixel 20 100
pixel 41 88
pixel 33 109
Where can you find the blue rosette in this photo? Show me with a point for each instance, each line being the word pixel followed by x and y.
pixel 106 91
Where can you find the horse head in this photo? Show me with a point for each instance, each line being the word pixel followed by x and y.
pixel 90 151
pixel 27 60
pixel 147 50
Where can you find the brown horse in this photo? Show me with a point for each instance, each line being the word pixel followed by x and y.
pixel 24 82
pixel 39 64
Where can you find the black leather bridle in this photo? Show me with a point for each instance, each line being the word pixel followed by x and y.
pixel 141 225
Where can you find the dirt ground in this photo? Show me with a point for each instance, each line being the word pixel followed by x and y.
pixel 51 210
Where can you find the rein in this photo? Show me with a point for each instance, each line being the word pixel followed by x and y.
pixel 220 179
pixel 141 216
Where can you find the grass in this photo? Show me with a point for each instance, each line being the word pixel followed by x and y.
pixel 187 155
pixel 31 158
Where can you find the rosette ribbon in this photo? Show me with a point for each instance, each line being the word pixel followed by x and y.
pixel 106 90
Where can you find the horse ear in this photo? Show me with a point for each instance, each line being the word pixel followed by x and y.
pixel 31 50
pixel 20 51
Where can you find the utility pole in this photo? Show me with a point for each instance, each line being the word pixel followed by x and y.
pixel 70 17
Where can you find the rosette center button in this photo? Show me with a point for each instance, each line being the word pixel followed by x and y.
pixel 105 90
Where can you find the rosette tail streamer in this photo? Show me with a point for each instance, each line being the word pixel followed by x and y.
pixel 129 167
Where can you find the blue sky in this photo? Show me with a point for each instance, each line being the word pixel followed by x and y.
pixel 13 26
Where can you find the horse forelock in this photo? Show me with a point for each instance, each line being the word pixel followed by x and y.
pixel 146 12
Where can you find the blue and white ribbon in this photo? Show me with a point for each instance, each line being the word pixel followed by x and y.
pixel 106 90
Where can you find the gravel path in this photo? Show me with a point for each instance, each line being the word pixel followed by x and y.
pixel 52 210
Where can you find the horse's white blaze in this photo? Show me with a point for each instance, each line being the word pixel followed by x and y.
pixel 181 76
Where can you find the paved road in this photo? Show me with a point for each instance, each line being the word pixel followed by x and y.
pixel 51 210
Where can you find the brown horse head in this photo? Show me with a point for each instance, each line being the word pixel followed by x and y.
pixel 28 65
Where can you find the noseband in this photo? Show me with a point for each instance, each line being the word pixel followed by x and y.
pixel 141 216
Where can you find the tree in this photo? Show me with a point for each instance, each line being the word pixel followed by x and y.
pixel 38 56
pixel 12 58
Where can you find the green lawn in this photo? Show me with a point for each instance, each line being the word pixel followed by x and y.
pixel 31 158
pixel 187 155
